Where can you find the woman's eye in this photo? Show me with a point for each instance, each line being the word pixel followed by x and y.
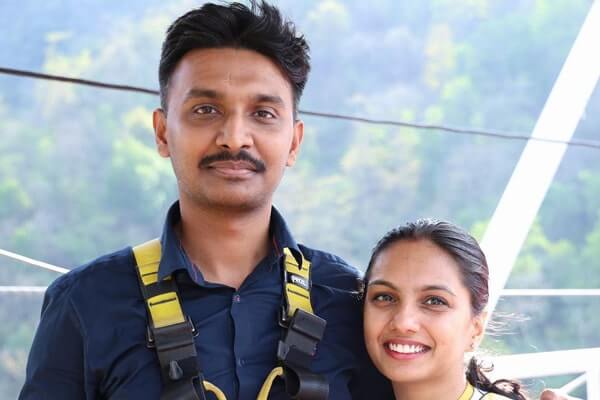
pixel 436 301
pixel 382 298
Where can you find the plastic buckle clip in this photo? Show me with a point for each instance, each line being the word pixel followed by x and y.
pixel 299 345
pixel 150 341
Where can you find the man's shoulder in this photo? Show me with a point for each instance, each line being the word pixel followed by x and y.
pixel 97 272
pixel 330 270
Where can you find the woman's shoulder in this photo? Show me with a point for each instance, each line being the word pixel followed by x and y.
pixel 481 395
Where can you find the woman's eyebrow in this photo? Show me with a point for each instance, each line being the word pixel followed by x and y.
pixel 438 287
pixel 425 288
pixel 384 283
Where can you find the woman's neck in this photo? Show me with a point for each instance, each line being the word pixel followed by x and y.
pixel 438 388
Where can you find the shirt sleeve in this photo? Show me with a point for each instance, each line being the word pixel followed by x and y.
pixel 55 368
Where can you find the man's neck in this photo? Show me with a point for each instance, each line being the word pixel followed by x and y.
pixel 225 246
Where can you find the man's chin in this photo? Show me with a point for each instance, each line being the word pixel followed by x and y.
pixel 234 203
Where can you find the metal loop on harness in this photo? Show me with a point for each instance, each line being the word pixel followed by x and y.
pixel 301 384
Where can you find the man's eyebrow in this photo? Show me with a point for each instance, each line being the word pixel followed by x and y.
pixel 213 94
pixel 199 92
pixel 268 98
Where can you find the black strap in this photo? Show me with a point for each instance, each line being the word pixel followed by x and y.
pixel 296 351
pixel 183 390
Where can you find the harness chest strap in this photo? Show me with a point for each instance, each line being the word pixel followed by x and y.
pixel 172 334
pixel 303 331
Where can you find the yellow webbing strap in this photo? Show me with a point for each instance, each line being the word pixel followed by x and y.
pixel 297 294
pixel 297 284
pixel 164 308
pixel 468 393
pixel 266 387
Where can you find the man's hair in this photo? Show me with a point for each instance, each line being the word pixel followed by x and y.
pixel 259 27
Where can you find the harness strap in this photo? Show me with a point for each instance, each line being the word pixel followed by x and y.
pixel 303 331
pixel 172 333
pixel 169 331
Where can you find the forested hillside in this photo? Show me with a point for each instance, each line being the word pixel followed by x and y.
pixel 79 174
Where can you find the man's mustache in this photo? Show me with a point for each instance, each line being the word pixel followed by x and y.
pixel 243 155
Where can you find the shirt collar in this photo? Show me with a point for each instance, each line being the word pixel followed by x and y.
pixel 174 258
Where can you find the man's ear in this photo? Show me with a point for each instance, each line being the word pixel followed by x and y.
pixel 159 121
pixel 298 135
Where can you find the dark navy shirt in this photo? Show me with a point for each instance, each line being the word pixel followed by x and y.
pixel 91 344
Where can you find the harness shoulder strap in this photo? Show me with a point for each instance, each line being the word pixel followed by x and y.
pixel 303 331
pixel 169 331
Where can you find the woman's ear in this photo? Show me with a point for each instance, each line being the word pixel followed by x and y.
pixel 478 329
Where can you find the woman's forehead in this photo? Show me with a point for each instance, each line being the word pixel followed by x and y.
pixel 420 261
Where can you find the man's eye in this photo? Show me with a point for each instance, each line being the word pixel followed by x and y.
pixel 435 301
pixel 205 109
pixel 264 114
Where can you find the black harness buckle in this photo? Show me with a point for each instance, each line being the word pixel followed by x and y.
pixel 150 342
pixel 301 338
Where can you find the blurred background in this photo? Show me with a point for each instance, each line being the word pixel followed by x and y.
pixel 79 174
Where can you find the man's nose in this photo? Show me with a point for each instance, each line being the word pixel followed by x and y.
pixel 235 134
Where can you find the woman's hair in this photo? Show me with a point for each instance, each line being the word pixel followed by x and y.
pixel 465 251
pixel 259 27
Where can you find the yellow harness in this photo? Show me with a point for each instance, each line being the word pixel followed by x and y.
pixel 470 391
pixel 172 334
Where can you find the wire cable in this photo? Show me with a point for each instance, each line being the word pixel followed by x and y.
pixel 22 289
pixel 77 81
pixel 459 130
pixel 33 262
pixel 444 128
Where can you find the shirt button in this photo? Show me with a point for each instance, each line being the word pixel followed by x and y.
pixel 236 298
pixel 240 362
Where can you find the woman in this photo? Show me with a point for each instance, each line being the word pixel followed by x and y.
pixel 426 288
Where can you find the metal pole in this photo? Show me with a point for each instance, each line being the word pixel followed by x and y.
pixel 593 384
pixel 539 161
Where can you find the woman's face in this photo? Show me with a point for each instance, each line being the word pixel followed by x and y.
pixel 418 318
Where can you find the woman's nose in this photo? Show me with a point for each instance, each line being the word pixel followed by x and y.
pixel 405 320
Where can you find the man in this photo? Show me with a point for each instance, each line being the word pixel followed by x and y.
pixel 230 81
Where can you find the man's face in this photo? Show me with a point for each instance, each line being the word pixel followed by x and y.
pixel 229 129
